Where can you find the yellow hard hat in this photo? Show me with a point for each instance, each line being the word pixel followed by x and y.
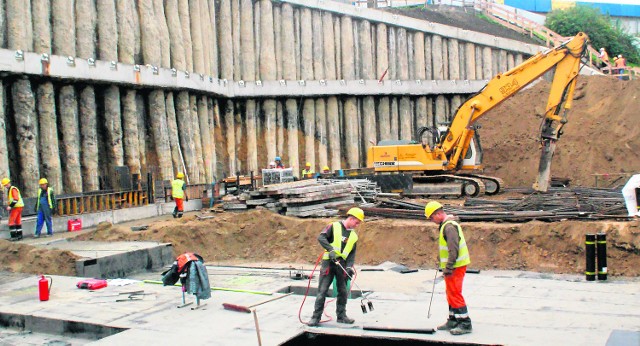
pixel 6 181
pixel 43 181
pixel 325 168
pixel 308 164
pixel 180 175
pixel 357 213
pixel 431 208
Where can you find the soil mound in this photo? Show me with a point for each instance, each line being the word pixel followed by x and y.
pixel 602 135
pixel 262 236
pixel 16 257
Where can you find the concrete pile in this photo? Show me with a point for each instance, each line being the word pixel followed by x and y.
pixel 76 132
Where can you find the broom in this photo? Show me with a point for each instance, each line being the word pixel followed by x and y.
pixel 247 309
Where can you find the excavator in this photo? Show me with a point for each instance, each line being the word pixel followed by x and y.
pixel 448 163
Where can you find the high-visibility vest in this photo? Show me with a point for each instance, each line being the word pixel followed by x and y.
pixel 20 201
pixel 185 258
pixel 337 242
pixel 176 188
pixel 48 198
pixel 307 172
pixel 463 252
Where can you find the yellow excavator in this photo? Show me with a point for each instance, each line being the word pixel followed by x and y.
pixel 448 164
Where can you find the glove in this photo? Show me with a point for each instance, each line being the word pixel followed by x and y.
pixel 447 271
pixel 351 272
pixel 332 255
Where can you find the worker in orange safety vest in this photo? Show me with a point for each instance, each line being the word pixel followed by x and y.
pixel 15 205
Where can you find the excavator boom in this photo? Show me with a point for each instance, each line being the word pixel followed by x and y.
pixel 448 154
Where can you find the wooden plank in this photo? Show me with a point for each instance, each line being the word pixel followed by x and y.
pixel 317 188
pixel 284 186
pixel 261 201
pixel 234 206
pixel 318 213
pixel 318 206
pixel 287 201
pixel 319 193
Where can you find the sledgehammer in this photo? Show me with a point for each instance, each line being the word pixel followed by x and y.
pixel 247 309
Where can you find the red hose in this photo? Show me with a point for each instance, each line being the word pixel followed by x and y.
pixel 306 293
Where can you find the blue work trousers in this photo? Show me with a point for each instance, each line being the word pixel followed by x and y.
pixel 44 216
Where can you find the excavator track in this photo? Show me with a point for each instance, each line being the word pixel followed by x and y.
pixel 468 185
pixel 493 185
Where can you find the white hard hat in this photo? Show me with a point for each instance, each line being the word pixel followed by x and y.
pixel 272 163
pixel 601 48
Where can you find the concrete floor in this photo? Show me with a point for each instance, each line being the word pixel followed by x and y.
pixel 507 307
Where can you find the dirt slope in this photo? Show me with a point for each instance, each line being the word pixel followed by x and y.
pixel 602 135
pixel 264 236
pixel 461 17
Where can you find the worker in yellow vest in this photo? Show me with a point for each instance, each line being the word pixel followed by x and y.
pixel 178 187
pixel 15 205
pixel 454 258
pixel 339 241
pixel 307 172
pixel 45 207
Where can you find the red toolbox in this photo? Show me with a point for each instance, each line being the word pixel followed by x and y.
pixel 92 284
pixel 74 225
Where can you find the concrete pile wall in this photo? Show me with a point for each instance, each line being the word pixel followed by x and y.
pixel 72 133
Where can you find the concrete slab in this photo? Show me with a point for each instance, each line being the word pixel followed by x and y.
pixel 113 259
pixel 507 307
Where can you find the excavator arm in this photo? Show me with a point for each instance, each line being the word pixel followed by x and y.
pixel 566 60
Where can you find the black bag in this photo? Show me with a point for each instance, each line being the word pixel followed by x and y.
pixel 171 276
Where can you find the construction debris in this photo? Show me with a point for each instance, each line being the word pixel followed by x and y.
pixel 558 204
pixel 306 198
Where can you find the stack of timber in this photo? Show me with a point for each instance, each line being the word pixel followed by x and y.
pixel 364 190
pixel 555 205
pixel 306 198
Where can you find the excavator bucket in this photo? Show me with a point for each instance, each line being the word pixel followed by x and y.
pixel 544 168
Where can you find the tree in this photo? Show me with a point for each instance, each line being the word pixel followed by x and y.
pixel 601 30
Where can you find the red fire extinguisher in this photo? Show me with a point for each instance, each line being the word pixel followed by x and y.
pixel 44 287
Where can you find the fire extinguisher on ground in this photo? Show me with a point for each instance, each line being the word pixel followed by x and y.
pixel 44 287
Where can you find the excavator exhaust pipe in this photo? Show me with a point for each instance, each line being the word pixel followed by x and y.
pixel 544 168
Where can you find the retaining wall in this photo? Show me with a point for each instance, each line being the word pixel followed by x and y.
pixel 74 130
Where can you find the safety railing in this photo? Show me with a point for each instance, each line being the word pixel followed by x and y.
pixel 624 73
pixel 524 25
pixel 80 204
pixel 519 23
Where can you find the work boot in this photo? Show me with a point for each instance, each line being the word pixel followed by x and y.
pixel 315 321
pixel 463 327
pixel 450 324
pixel 345 319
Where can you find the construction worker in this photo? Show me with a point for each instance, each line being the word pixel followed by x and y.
pixel 630 194
pixel 307 172
pixel 621 64
pixel 604 57
pixel 178 187
pixel 326 170
pixel 454 258
pixel 15 205
pixel 45 205
pixel 339 241
pixel 279 163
